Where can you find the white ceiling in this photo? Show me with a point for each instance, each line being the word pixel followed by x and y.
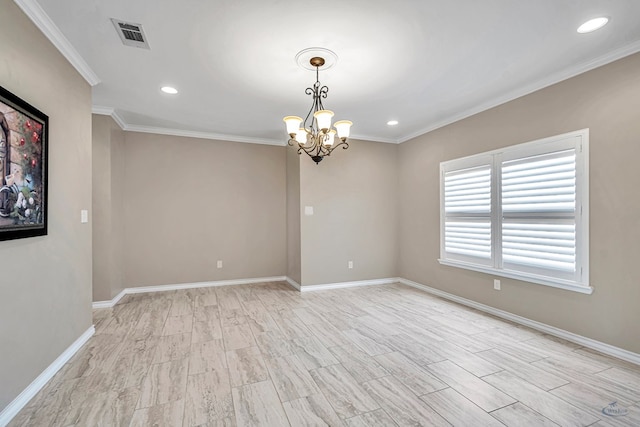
pixel 425 63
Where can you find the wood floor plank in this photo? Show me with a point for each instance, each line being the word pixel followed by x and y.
pixel 377 418
pixel 593 401
pixel 519 415
pixel 205 297
pixel 207 356
pixel 413 376
pixel 528 372
pixel 343 392
pixel 237 336
pixel 415 350
pixel 327 334
pixel 207 313
pixel 339 319
pixel 178 324
pixel 164 383
pixel 540 401
pixel 574 362
pixel 365 343
pixel 167 415
pixel 614 388
pixel 208 398
pixel 312 353
pixel 458 410
pixel 473 388
pixel 311 411
pixel 623 377
pixel 109 408
pixel 206 331
pixel 291 378
pixel 288 326
pixel 45 408
pixel 257 404
pixel 360 365
pixel 401 404
pixel 467 360
pixel 181 304
pixel 172 347
pixel 246 366
pixel 274 344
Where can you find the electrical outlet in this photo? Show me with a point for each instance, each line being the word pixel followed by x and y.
pixel 219 263
pixel 350 265
pixel 496 284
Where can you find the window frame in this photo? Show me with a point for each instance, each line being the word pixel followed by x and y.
pixel 578 140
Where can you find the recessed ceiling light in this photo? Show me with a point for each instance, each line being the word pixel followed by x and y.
pixel 593 24
pixel 170 90
pixel 392 122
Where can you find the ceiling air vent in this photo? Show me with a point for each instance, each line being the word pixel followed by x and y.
pixel 131 34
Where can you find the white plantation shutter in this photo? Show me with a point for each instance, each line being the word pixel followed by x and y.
pixel 549 245
pixel 472 238
pixel 467 206
pixel 538 212
pixel 468 191
pixel 520 212
pixel 543 183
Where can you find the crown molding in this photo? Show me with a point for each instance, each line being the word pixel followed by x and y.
pixel 203 135
pixel 558 77
pixel 39 17
pixel 110 111
pixel 375 139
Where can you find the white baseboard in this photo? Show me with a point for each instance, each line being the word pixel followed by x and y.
pixel 341 285
pixel 32 389
pixel 110 303
pixel 293 283
pixel 608 349
pixel 162 288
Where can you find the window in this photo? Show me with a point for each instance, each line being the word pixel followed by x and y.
pixel 520 212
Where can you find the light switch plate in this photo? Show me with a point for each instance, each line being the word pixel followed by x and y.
pixel 84 216
pixel 308 210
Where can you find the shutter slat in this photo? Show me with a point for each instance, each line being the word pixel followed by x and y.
pixel 559 183
pixel 568 250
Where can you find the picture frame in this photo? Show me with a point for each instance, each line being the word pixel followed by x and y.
pixel 24 140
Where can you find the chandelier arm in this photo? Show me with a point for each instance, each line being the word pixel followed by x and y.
pixel 344 145
pixel 309 152
pixel 323 92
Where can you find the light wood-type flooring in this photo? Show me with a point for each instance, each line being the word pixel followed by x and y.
pixel 266 355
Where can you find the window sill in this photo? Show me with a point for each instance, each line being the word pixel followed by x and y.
pixel 559 283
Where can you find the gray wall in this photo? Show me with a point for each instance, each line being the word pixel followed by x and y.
pixel 294 269
pixel 108 227
pixel 189 202
pixel 605 100
pixel 354 196
pixel 45 284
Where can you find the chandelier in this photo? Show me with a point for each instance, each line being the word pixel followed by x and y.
pixel 315 137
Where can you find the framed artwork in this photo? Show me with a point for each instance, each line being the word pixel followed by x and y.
pixel 23 168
